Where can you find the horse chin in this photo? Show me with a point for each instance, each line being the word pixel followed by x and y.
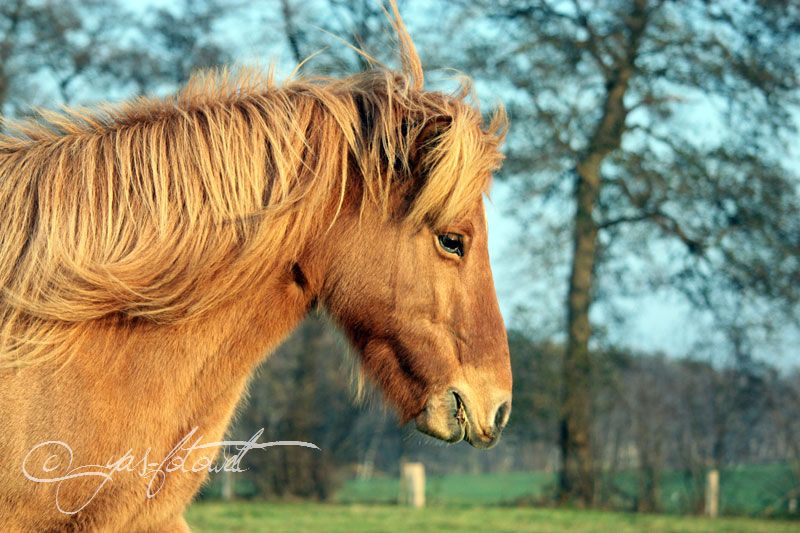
pixel 444 418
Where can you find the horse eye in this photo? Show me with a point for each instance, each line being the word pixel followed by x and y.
pixel 452 243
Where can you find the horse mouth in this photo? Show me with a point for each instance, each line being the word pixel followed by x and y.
pixel 461 411
pixel 462 419
pixel 445 418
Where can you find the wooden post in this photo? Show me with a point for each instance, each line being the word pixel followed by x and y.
pixel 712 493
pixel 412 484
pixel 227 486
pixel 792 505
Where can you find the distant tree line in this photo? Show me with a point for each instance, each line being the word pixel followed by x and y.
pixel 653 415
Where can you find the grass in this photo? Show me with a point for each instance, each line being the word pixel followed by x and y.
pixel 485 502
pixel 453 489
pixel 748 490
pixel 261 516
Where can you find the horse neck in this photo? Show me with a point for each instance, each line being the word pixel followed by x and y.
pixel 194 372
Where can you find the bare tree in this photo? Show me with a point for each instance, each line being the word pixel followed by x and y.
pixel 654 124
pixel 11 15
pixel 56 51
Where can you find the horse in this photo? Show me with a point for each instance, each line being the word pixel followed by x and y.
pixel 154 252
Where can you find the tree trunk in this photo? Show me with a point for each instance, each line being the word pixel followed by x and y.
pixel 648 499
pixel 576 480
pixel 577 476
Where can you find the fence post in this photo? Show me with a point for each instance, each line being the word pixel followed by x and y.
pixel 712 493
pixel 227 486
pixel 412 484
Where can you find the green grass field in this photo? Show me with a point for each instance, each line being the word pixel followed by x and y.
pixel 491 502
pixel 254 517
pixel 752 490
pixel 453 489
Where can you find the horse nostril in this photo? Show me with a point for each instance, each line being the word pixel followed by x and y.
pixel 501 416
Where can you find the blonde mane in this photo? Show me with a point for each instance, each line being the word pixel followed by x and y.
pixel 160 209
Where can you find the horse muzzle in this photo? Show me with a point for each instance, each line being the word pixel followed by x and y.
pixel 454 416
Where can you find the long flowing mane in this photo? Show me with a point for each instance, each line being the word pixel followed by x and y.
pixel 159 209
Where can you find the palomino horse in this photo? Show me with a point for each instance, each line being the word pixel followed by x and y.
pixel 153 253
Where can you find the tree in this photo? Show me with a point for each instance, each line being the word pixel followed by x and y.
pixel 56 51
pixel 346 26
pixel 10 17
pixel 658 130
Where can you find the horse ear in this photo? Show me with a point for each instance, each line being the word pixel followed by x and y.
pixel 423 140
pixel 427 139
